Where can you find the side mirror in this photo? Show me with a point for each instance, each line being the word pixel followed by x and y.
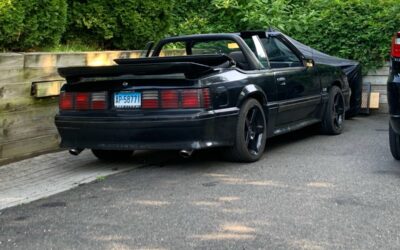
pixel 309 63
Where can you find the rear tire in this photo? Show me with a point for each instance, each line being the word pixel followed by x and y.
pixel 334 117
pixel 250 134
pixel 394 140
pixel 113 155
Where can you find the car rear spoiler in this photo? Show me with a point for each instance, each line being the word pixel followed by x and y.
pixel 205 59
pixel 189 69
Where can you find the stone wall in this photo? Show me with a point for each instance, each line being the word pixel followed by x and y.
pixel 27 123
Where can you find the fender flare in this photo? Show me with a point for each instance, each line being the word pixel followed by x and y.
pixel 253 91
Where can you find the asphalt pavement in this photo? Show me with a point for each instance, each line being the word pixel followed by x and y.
pixel 309 191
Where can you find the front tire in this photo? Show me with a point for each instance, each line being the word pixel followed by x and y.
pixel 250 134
pixel 394 140
pixel 112 155
pixel 333 119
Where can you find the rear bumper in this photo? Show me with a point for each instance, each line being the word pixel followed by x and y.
pixel 203 130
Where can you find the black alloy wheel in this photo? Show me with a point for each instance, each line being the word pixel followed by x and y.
pixel 251 133
pixel 334 117
pixel 254 130
pixel 338 111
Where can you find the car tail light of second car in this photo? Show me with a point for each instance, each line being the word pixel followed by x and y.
pixel 396 45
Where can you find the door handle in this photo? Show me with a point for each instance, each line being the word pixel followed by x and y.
pixel 281 81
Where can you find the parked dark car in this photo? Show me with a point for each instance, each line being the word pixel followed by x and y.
pixel 228 90
pixel 393 92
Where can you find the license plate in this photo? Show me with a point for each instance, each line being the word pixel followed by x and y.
pixel 127 100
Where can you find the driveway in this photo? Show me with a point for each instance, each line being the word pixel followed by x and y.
pixel 309 191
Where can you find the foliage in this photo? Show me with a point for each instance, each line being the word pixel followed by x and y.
pixel 11 22
pixel 206 16
pixel 354 29
pixel 72 46
pixel 27 24
pixel 118 24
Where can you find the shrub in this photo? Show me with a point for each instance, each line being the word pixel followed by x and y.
pixel 11 22
pixel 118 24
pixel 207 16
pixel 29 24
pixel 353 29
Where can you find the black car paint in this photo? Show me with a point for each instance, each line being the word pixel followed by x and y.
pixel 299 102
pixel 393 93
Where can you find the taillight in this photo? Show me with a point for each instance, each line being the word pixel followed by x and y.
pixel 176 98
pixel 82 101
pixel 99 100
pixel 191 98
pixel 396 45
pixel 150 99
pixel 169 99
pixel 206 98
pixel 66 101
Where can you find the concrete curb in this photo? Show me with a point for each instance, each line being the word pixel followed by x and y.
pixel 42 176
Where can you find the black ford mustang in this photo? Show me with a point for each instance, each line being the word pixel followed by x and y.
pixel 228 90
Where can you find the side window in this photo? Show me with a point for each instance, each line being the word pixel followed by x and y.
pixel 280 55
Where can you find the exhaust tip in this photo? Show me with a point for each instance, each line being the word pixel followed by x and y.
pixel 185 153
pixel 75 151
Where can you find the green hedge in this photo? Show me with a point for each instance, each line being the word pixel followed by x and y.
pixel 116 24
pixel 30 24
pixel 354 29
pixel 11 23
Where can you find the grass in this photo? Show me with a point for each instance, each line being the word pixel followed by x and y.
pixel 70 47
pixel 101 178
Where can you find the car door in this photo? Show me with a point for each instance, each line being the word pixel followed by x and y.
pixel 298 86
